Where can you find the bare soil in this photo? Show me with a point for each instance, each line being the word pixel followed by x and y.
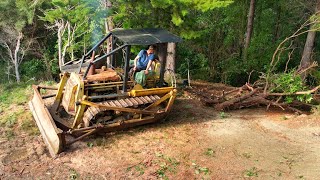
pixel 194 142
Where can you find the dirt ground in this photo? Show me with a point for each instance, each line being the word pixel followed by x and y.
pixel 195 142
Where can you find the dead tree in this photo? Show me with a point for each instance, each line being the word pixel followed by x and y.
pixel 15 48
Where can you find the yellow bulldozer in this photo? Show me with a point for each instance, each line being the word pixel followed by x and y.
pixel 96 95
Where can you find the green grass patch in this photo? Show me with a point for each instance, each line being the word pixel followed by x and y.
pixel 209 152
pixel 223 115
pixel 9 134
pixel 139 168
pixel 29 126
pixel 253 172
pixel 10 119
pixel 14 94
pixel 200 170
pixel 166 164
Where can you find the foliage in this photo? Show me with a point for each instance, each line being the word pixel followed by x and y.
pixel 17 13
pixel 85 17
pixel 213 32
pixel 33 68
pixel 16 17
pixel 180 16
pixel 197 64
pixel 290 83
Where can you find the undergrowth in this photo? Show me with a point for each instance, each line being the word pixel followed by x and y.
pixel 290 83
pixel 14 112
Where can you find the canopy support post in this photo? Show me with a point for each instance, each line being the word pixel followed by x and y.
pixel 126 68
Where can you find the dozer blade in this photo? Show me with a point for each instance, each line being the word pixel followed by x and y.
pixel 52 135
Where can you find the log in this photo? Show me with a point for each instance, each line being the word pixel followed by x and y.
pixel 230 102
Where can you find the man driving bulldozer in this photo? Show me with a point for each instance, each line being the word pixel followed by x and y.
pixel 143 60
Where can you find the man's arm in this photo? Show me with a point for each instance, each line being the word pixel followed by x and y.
pixel 148 67
pixel 136 59
pixel 135 62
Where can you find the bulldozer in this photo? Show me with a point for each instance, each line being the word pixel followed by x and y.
pixel 96 93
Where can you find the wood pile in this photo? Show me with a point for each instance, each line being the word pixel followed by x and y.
pixel 252 95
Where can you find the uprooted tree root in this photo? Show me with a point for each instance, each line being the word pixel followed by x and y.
pixel 249 96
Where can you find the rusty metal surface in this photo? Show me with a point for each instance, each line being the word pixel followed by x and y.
pixel 52 136
pixel 92 112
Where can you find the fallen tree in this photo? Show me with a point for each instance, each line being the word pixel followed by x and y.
pixel 286 90
pixel 253 95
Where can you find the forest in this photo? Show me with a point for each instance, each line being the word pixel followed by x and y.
pixel 224 41
pixel 232 42
pixel 234 54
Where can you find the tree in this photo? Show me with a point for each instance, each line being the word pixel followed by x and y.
pixel 306 59
pixel 183 17
pixel 16 15
pixel 171 57
pixel 180 16
pixel 109 26
pixel 249 26
pixel 78 24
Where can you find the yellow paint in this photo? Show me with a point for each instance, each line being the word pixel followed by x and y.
pixel 152 91
pixel 162 99
pixel 137 87
pixel 58 98
pixel 171 100
pixel 80 89
pixel 79 114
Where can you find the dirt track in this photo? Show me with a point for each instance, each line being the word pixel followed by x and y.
pixel 194 143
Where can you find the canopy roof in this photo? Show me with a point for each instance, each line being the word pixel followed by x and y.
pixel 145 36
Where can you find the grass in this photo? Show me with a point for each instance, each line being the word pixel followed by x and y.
pixel 14 114
pixel 138 168
pixel 247 155
pixel 90 144
pixel 209 152
pixel 10 118
pixel 166 164
pixel 17 94
pixel 29 126
pixel 223 115
pixel 253 172
pixel 9 134
pixel 200 170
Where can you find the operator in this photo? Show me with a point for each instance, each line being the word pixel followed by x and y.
pixel 144 60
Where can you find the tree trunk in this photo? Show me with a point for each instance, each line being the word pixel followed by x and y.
pixel 162 53
pixel 171 56
pixel 276 33
pixel 68 44
pixel 249 25
pixel 306 59
pixel 109 27
pixel 60 33
pixel 16 57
